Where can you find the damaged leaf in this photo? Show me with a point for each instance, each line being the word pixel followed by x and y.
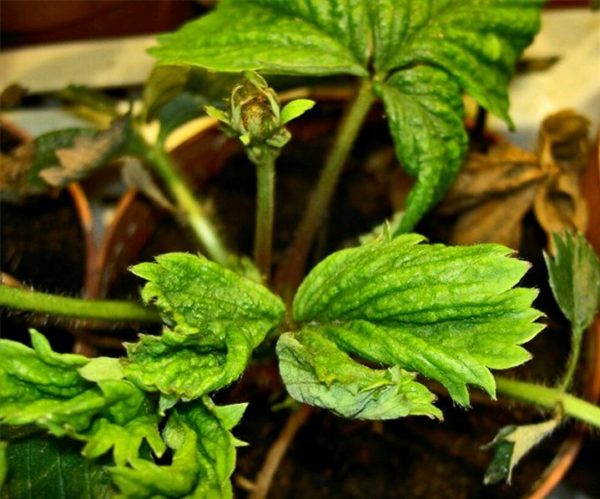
pixel 511 444
pixel 87 153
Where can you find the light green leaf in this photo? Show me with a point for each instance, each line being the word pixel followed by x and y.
pixel 43 466
pixel 101 368
pixel 574 274
pixel 317 372
pixel 448 313
pixel 425 116
pixel 477 42
pixel 274 36
pixel 294 109
pixel 217 317
pixel 511 444
pixel 216 444
pixel 124 440
pixel 144 479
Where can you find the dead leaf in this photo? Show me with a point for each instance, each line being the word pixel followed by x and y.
pixel 137 177
pixel 86 154
pixel 13 170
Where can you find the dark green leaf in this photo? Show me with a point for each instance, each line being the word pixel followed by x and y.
pixel 476 42
pixel 274 36
pixel 425 113
pixel 317 372
pixel 163 85
pixel 575 278
pixel 181 109
pixel 511 444
pixel 217 317
pixel 41 467
pixel 91 99
pixel 448 313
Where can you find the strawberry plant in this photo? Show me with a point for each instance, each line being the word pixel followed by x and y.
pixel 358 334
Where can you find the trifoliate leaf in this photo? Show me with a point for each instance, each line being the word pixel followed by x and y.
pixel 574 274
pixel 511 444
pixel 44 466
pixel 124 440
pixel 318 373
pixel 425 116
pixel 448 313
pixel 273 36
pixel 217 317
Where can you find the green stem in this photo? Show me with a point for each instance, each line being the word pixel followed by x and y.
pixel 62 306
pixel 576 337
pixel 291 271
pixel 549 398
pixel 201 225
pixel 265 212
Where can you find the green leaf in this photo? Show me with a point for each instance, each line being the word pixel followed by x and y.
pixel 124 440
pixel 144 479
pixel 294 109
pixel 574 274
pixel 101 368
pixel 317 372
pixel 274 36
pixel 448 313
pixel 425 115
pixel 477 42
pixel 3 463
pixel 162 86
pixel 44 466
pixel 511 444
pixel 216 444
pixel 217 317
pixel 91 99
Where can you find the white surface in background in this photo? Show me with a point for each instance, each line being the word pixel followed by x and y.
pixel 101 63
pixel 571 83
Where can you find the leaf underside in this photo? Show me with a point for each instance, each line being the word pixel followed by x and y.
pixel 421 56
pixel 447 313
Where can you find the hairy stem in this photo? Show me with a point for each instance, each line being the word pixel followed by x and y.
pixel 576 337
pixel 292 268
pixel 277 451
pixel 265 212
pixel 549 398
pixel 62 306
pixel 202 227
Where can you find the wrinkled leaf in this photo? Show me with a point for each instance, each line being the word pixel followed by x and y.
pixel 217 318
pixel 87 153
pixel 425 113
pixel 317 372
pixel 43 466
pixel 125 441
pixel 144 479
pixel 511 444
pixel 574 274
pixel 428 309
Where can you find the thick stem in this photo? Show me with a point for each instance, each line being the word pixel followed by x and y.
pixel 549 398
pixel 265 212
pixel 197 219
pixel 292 268
pixel 576 337
pixel 62 306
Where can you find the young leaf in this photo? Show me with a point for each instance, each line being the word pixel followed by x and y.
pixel 511 444
pixel 429 309
pixel 317 372
pixel 217 319
pixel 575 278
pixel 43 466
pixel 295 108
